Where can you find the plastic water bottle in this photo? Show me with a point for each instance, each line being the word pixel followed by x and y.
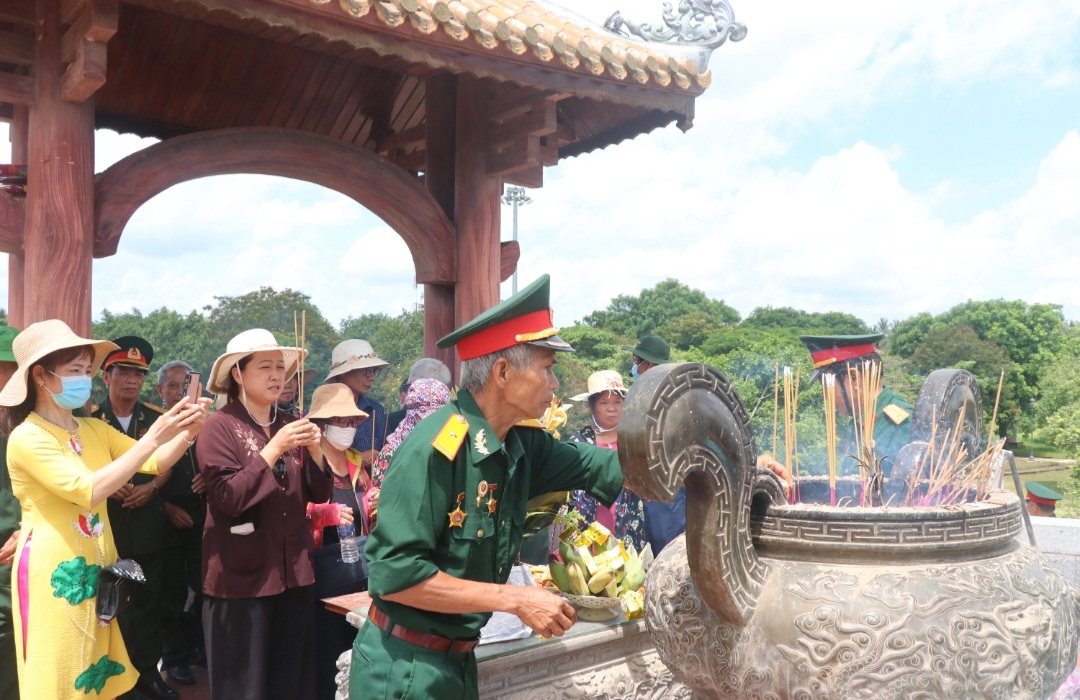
pixel 350 553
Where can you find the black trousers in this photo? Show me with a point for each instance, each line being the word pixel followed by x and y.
pixel 182 630
pixel 262 648
pixel 141 622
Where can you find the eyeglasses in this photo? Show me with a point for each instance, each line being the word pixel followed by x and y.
pixel 345 422
pixel 370 371
pixel 637 361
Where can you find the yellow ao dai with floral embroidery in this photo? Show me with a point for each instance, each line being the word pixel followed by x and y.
pixel 63 544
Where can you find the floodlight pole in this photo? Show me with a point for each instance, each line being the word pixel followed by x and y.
pixel 515 196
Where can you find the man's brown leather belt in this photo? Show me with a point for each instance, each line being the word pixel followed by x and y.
pixel 420 639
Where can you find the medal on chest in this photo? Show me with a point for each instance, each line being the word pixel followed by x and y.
pixel 457 515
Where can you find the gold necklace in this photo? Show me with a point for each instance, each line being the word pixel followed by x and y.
pixel 74 441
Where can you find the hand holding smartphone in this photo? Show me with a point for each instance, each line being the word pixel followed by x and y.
pixel 192 387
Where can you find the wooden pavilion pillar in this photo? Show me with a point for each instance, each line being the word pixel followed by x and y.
pixel 16 261
pixel 476 205
pixel 58 250
pixel 440 100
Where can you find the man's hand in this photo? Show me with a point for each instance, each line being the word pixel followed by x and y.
pixel 178 517
pixel 544 612
pixel 767 461
pixel 7 552
pixel 197 484
pixel 139 496
pixel 122 493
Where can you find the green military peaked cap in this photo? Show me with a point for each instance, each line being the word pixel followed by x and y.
pixel 651 348
pixel 7 336
pixel 1041 494
pixel 523 318
pixel 826 350
pixel 134 352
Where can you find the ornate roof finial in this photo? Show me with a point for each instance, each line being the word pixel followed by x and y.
pixel 702 23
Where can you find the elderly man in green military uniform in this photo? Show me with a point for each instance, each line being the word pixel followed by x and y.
pixel 837 355
pixel 137 511
pixel 10 514
pixel 452 507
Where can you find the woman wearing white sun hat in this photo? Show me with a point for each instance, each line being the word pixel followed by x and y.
pixel 626 517
pixel 261 467
pixel 62 470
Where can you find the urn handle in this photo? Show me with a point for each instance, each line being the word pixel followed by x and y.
pixel 684 424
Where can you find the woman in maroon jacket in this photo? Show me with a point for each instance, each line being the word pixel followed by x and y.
pixel 261 468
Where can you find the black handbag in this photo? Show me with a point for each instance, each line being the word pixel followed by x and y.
pixel 117 586
pixel 333 577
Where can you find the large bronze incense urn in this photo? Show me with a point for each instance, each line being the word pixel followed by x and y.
pixel 763 599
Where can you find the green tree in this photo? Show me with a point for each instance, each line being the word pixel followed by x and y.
pixel 281 313
pixel 688 331
pixel 907 334
pixel 804 323
pixel 173 336
pixel 630 316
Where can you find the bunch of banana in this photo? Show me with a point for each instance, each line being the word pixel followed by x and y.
pixel 595 563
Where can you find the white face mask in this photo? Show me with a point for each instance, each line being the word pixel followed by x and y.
pixel 341 438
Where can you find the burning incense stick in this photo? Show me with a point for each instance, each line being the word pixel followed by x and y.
pixel 829 393
pixel 864 386
pixel 791 402
pixel 775 406
pixel 299 335
pixel 303 358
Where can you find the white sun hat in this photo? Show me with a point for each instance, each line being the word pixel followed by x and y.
pixel 248 343
pixel 41 339
pixel 353 354
pixel 604 380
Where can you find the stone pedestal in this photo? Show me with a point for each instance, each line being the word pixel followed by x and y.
pixel 614 659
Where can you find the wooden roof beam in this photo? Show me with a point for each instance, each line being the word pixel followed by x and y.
pixel 12 223
pixel 404 141
pixel 17 12
pixel 16 48
pixel 83 45
pixel 19 89
pixel 97 22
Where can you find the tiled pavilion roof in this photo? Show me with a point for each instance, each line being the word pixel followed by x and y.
pixel 548 32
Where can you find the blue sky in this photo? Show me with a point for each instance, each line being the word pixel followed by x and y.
pixel 877 159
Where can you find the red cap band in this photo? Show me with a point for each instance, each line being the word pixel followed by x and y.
pixel 1041 501
pixel 532 326
pixel 131 356
pixel 822 358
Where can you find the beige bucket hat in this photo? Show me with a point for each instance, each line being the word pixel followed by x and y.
pixel 353 354
pixel 38 340
pixel 333 401
pixel 604 380
pixel 244 344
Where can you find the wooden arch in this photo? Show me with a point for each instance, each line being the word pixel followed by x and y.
pixel 389 192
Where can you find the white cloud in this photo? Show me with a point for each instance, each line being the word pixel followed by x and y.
pixel 718 208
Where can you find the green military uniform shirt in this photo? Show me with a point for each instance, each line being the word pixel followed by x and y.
pixel 892 430
pixel 415 536
pixel 136 530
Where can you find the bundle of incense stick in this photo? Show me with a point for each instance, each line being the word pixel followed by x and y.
pixel 791 403
pixel 952 476
pixel 775 406
pixel 299 340
pixel 829 393
pixel 864 385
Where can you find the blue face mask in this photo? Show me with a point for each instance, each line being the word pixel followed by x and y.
pixel 75 393
pixel 633 371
